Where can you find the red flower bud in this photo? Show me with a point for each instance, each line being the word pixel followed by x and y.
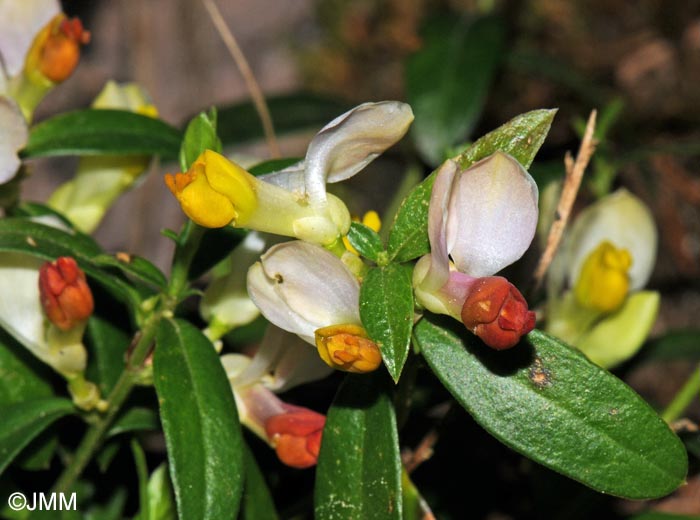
pixel 496 312
pixel 296 436
pixel 65 295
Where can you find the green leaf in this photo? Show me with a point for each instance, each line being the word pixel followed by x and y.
pixel 46 242
pixel 200 423
pixel 21 422
pixel 658 515
pixel 102 132
pixel 135 419
pixel 359 468
pixel 108 346
pixel 18 380
pixel 447 81
pixel 292 112
pixel 521 138
pixel 200 135
pixel 257 501
pixel 548 402
pixel 134 266
pixel 386 310
pixel 676 344
pixel 161 503
pixel 365 240
pixel 216 244
pixel 273 165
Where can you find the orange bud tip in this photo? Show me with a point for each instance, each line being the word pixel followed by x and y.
pixel 64 293
pixel 296 436
pixel 497 312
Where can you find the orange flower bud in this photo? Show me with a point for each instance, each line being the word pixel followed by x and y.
pixel 56 49
pixel 496 312
pixel 65 295
pixel 347 347
pixel 296 436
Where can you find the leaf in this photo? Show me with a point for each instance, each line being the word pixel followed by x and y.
pixel 216 244
pixel 18 380
pixel 108 346
pixel 200 423
pixel 135 419
pixel 359 468
pixel 22 422
pixel 365 240
pixel 200 135
pixel 447 81
pixel 292 112
pixel 676 344
pixel 548 402
pixel 257 501
pixel 102 132
pixel 46 242
pixel 161 503
pixel 134 266
pixel 386 310
pixel 521 137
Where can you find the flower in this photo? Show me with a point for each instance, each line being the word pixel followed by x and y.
pixel 64 292
pixel 22 316
pixel 304 289
pixel 595 301
pixel 34 39
pixel 480 220
pixel 216 192
pixel 101 179
pixel 281 362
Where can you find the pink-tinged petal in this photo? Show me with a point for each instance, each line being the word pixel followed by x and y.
pixel 301 287
pixel 438 273
pixel 21 21
pixel 351 141
pixel 13 137
pixel 492 215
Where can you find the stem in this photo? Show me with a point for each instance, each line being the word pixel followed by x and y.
pixel 683 398
pixel 190 238
pixel 94 436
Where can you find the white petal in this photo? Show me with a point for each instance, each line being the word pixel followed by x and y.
pixel 21 21
pixel 626 222
pixel 492 215
pixel 351 141
pixel 13 137
pixel 301 287
pixel 291 178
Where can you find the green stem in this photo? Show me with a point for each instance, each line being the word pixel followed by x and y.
pixel 95 434
pixel 190 238
pixel 683 398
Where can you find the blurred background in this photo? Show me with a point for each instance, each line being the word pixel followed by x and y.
pixel 638 63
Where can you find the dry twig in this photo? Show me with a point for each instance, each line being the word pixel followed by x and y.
pixel 247 73
pixel 572 183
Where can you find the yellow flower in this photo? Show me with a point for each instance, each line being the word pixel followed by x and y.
pixel 604 280
pixel 214 192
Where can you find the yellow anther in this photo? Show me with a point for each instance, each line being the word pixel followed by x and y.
pixel 214 191
pixel 604 281
pixel 347 347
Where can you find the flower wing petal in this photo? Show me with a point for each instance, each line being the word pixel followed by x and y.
pixel 492 215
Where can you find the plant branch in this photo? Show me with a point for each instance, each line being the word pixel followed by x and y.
pixel 572 183
pixel 253 88
pixel 685 396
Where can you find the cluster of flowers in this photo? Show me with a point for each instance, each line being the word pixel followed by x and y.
pixel 481 219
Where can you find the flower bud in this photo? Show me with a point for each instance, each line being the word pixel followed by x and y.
pixel 604 281
pixel 296 436
pixel 496 312
pixel 55 51
pixel 347 347
pixel 65 295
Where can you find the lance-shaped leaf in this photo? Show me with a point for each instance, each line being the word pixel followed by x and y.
pixel 22 422
pixel 257 501
pixel 103 132
pixel 359 469
pixel 520 138
pixel 200 422
pixel 366 241
pixel 547 401
pixel 386 310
